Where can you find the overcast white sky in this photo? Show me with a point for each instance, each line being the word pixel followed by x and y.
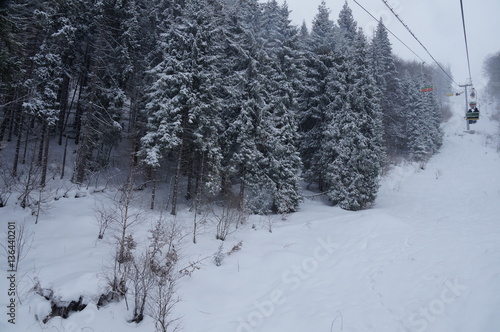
pixel 436 23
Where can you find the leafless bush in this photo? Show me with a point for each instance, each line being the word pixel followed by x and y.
pixel 43 204
pixel 118 214
pixel 33 194
pixel 123 263
pixel 29 184
pixel 163 301
pixel 63 192
pixel 219 256
pixel 225 216
pixel 20 233
pixel 105 215
pixel 142 281
pixel 23 240
pixel 271 219
pixel 153 275
pixel 147 272
pixel 235 248
pixel 163 265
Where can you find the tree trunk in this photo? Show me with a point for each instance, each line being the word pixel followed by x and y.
pixel 175 191
pixel 42 140
pixel 64 158
pixel 197 199
pixel 241 195
pixel 63 101
pixel 84 147
pixel 18 150
pixel 83 83
pixel 190 177
pixel 8 114
pixel 45 162
pixel 25 148
pixel 153 191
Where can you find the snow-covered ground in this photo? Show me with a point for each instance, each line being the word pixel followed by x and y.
pixel 425 258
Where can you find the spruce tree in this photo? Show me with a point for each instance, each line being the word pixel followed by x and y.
pixel 433 115
pixel 420 145
pixel 315 115
pixel 184 108
pixel 388 83
pixel 282 160
pixel 353 174
pixel 347 28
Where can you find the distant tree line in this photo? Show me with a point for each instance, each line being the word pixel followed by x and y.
pixel 492 71
pixel 222 97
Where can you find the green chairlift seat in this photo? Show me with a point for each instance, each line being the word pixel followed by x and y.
pixel 472 115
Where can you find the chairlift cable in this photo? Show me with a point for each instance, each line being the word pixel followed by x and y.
pixel 399 39
pixel 388 30
pixel 465 38
pixel 407 28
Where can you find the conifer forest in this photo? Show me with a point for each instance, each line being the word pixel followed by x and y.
pixel 216 100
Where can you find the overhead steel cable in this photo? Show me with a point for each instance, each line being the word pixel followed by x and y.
pixel 425 48
pixel 409 48
pixel 465 37
pixel 388 30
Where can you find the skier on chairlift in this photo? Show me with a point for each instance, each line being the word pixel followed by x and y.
pixel 473 108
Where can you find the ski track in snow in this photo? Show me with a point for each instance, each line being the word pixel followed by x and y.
pixel 425 258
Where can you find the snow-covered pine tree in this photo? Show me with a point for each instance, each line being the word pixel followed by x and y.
pixel 183 107
pixel 167 110
pixel 420 145
pixel 22 40
pixel 316 95
pixel 388 83
pixel 303 35
pixel 203 151
pixel 491 68
pixel 259 102
pixel 282 160
pixel 9 56
pixel 106 68
pixel 247 117
pixel 346 33
pixel 358 153
pixel 433 115
pixel 49 82
pixel 42 103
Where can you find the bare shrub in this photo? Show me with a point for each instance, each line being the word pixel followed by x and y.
pixel 235 248
pixel 227 216
pixel 105 215
pixel 33 194
pixel 43 204
pixel 271 220
pixel 219 256
pixel 141 280
pixel 119 215
pixel 163 300
pixel 28 184
pixel 23 241
pixel 164 257
pixel 153 276
pixel 147 272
